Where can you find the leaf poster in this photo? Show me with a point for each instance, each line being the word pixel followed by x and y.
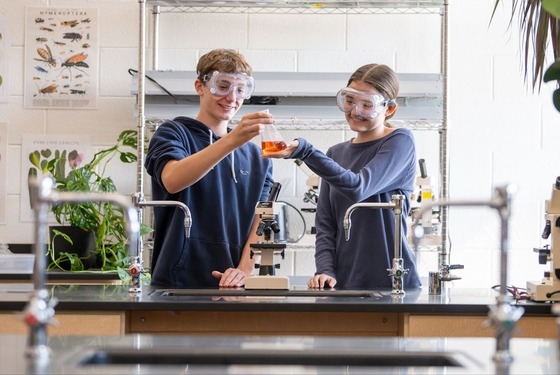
pixel 41 153
pixel 61 58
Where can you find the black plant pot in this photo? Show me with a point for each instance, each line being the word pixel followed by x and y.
pixel 83 245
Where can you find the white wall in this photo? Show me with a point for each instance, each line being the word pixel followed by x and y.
pixel 498 131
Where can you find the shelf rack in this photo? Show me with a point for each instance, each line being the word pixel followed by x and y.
pixel 301 101
pixel 305 7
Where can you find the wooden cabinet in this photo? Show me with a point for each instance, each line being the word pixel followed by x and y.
pixel 265 323
pixel 429 325
pixel 104 323
pixel 363 324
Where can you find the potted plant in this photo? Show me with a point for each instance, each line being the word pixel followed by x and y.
pixel 540 23
pixel 104 222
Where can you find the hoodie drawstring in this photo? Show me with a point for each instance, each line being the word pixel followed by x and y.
pixel 232 159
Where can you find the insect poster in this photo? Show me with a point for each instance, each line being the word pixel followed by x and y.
pixel 61 58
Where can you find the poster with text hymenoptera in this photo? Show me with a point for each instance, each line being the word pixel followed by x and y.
pixel 61 58
pixel 53 155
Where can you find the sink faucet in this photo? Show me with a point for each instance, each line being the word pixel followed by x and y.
pixel 140 202
pixel 502 316
pixel 397 272
pixel 39 311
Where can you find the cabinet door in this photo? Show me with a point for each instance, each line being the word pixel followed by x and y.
pixel 70 323
pixel 420 325
pixel 265 323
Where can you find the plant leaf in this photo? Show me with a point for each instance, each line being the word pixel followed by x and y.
pixel 538 28
pixel 128 157
pixel 553 72
pixel 35 159
pixel 556 99
pixel 552 7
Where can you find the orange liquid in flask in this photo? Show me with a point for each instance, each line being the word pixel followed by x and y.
pixel 273 146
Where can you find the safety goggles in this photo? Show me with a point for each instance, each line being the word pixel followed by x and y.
pixel 222 84
pixel 364 104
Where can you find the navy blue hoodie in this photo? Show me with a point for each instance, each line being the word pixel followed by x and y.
pixel 222 205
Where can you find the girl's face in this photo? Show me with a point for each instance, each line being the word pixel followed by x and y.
pixel 355 118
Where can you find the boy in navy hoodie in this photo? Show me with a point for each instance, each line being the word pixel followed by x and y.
pixel 218 173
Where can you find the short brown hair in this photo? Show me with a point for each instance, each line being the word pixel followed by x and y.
pixel 222 60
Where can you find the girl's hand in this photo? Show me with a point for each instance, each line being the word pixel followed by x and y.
pixel 321 281
pixel 284 154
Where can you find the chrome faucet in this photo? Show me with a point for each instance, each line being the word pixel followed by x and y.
pixel 39 311
pixel 502 316
pixel 139 202
pixel 397 272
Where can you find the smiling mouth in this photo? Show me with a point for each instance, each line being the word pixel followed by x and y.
pixel 360 119
pixel 227 107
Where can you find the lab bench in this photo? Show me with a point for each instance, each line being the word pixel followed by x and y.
pixel 111 310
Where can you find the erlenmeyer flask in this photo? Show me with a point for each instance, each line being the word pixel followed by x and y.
pixel 271 140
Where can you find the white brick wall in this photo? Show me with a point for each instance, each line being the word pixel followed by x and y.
pixel 498 131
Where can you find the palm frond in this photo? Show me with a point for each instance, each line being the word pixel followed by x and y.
pixel 540 31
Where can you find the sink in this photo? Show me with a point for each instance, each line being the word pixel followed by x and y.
pixel 322 357
pixel 266 293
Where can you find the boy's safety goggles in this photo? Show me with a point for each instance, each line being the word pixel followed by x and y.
pixel 222 84
pixel 364 104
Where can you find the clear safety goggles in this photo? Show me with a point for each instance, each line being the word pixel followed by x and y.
pixel 222 84
pixel 364 104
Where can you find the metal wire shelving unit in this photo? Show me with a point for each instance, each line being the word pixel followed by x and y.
pixel 158 7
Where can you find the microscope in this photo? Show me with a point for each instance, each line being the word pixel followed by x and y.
pixel 312 194
pixel 548 289
pixel 425 216
pixel 432 235
pixel 267 247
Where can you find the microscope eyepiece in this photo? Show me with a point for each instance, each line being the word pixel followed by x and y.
pixel 260 228
pixel 274 191
pixel 274 226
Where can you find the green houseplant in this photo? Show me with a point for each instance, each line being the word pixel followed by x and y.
pixel 539 22
pixel 105 221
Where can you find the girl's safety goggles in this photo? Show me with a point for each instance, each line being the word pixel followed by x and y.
pixel 364 104
pixel 222 84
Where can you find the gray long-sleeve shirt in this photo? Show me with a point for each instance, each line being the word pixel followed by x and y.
pixel 362 172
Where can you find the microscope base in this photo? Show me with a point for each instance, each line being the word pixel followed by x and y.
pixel 267 282
pixel 538 291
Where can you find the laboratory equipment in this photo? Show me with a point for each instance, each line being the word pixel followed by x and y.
pixel 39 311
pixel 423 196
pixel 267 247
pixel 271 139
pixel 398 271
pixel 502 316
pixel 548 289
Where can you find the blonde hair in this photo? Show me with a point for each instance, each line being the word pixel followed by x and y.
pixel 222 60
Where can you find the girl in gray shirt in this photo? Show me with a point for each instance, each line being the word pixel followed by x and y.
pixel 379 162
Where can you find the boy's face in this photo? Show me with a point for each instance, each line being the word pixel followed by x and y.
pixel 222 94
